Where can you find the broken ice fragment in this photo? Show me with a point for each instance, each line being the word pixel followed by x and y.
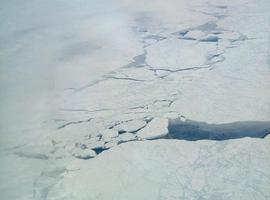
pixel 125 137
pixel 83 153
pixel 182 118
pixel 130 126
pixel 171 115
pixel 156 128
pixel 109 134
pixel 194 35
pixel 209 38
pixel 162 73
pixel 92 144
pixel 111 144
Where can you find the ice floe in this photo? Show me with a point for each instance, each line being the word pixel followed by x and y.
pixel 130 126
pixel 83 153
pixel 156 128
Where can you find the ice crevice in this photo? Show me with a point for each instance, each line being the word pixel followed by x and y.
pixel 170 71
pixel 74 122
pixel 125 78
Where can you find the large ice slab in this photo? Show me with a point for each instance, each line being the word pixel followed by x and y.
pixel 173 169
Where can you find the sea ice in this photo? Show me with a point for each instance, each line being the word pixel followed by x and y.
pixel 83 153
pixel 156 128
pixel 108 135
pixel 125 137
pixel 130 126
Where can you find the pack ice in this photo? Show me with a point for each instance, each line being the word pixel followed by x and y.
pixel 134 100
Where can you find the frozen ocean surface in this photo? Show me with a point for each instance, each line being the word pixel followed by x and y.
pixel 125 99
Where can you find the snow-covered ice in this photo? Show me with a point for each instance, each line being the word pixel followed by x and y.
pixel 98 97
pixel 109 134
pixel 125 137
pixel 156 128
pixel 173 169
pixel 131 126
pixel 84 153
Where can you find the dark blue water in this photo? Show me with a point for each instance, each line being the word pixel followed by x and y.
pixel 194 130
